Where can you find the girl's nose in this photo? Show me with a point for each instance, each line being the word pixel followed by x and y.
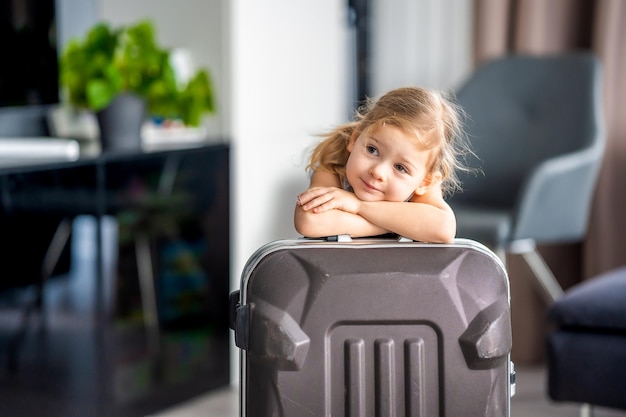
pixel 377 171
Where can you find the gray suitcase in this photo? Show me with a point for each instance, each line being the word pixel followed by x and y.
pixel 373 327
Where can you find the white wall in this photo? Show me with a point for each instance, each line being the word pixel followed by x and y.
pixel 75 18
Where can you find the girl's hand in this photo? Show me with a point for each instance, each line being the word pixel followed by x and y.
pixel 320 199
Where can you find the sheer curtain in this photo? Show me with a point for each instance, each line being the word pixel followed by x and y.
pixel 545 27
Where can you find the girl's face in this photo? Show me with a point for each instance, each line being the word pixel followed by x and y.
pixel 386 165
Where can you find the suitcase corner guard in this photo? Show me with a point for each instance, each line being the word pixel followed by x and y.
pixel 279 338
pixel 487 341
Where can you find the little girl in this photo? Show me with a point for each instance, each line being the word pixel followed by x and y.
pixel 387 171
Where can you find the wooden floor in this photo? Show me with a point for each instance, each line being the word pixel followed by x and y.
pixel 530 400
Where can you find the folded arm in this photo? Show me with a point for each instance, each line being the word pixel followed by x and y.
pixel 416 220
pixel 329 210
pixel 314 222
pixel 333 222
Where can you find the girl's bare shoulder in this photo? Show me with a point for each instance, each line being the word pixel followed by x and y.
pixel 323 178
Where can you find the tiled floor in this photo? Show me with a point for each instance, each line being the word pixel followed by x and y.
pixel 529 401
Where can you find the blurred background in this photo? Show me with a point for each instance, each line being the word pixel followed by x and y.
pixel 284 71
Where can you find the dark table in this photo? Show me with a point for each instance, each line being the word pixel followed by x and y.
pixel 157 329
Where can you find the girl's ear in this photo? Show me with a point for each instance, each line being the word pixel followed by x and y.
pixel 353 137
pixel 428 181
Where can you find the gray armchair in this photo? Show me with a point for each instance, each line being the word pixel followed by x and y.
pixel 535 125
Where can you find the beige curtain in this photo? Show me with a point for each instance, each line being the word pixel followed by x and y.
pixel 551 26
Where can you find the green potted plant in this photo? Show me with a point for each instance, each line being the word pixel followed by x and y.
pixel 126 65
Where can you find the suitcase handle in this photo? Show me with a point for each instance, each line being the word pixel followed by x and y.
pixel 233 303
pixel 348 238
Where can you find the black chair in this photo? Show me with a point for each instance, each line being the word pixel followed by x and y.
pixel 587 345
pixel 535 125
pixel 34 249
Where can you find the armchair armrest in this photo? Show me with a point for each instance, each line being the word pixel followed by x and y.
pixel 555 200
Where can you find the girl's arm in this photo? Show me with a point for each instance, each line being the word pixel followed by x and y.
pixel 334 222
pixel 426 217
pixel 312 223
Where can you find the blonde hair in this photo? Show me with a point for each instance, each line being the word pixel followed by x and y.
pixel 429 116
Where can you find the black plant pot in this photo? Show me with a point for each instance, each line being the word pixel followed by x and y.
pixel 120 123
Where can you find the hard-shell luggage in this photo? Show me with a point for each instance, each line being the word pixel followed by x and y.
pixel 373 327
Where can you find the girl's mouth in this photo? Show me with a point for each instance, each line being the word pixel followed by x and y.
pixel 369 187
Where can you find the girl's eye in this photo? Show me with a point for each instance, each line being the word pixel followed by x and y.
pixel 372 150
pixel 400 168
